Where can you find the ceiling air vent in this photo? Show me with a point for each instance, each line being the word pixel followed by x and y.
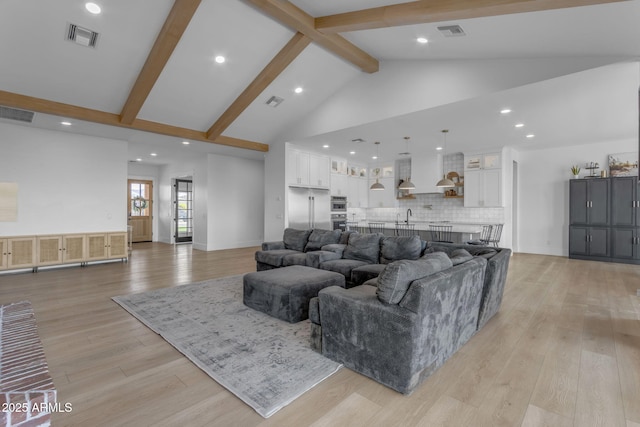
pixel 82 36
pixel 358 140
pixel 452 31
pixel 274 101
pixel 16 114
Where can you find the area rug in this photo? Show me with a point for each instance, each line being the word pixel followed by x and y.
pixel 264 361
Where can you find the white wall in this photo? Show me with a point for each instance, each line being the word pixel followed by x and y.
pixel 274 192
pixel 67 183
pixel 543 213
pixel 235 202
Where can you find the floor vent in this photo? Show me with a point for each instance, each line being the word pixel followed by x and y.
pixel 82 36
pixel 452 31
pixel 16 114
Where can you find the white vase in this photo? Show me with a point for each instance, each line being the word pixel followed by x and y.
pixel 576 176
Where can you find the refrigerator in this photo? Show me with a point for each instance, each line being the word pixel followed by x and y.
pixel 309 208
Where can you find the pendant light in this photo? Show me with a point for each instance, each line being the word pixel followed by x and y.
pixel 407 184
pixel 377 185
pixel 445 182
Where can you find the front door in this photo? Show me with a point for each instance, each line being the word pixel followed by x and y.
pixel 140 202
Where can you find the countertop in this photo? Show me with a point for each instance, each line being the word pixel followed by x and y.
pixel 457 227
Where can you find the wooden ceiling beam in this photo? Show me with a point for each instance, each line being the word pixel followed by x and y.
pixel 420 12
pixel 293 17
pixel 15 100
pixel 287 54
pixel 170 34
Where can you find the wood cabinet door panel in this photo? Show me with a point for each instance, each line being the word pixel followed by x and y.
pixel 3 254
pixel 96 246
pixel 49 250
pixel 599 202
pixel 578 202
pixel 117 245
pixel 21 252
pixel 73 248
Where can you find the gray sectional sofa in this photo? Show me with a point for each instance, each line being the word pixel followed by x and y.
pixel 408 304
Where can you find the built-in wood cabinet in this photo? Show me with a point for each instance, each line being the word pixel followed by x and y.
pixel 47 250
pixel 339 184
pixel 483 181
pixel 604 219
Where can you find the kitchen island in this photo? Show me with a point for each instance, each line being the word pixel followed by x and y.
pixel 461 232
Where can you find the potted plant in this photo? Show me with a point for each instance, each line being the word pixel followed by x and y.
pixel 575 170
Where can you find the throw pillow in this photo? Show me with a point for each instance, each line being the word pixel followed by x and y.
pixel 395 279
pixel 483 252
pixel 318 238
pixel 393 248
pixel 363 247
pixel 295 240
pixel 459 256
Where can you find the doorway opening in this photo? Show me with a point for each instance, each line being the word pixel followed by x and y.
pixel 183 214
pixel 140 204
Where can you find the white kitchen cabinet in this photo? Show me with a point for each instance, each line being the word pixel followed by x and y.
pixel 297 167
pixel 426 171
pixel 339 185
pixel 483 180
pixel 358 192
pixel 307 169
pixel 319 171
pixel 483 188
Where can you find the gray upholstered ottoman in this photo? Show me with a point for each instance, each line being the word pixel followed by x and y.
pixel 285 292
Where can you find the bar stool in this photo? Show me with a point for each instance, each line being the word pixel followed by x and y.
pixel 376 227
pixel 351 226
pixel 485 235
pixel 495 235
pixel 441 233
pixel 406 230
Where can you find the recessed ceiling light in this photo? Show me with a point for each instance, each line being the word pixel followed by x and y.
pixel 138 159
pixel 220 59
pixel 325 146
pixel 93 8
pixel 374 157
pixel 505 111
pixel 65 123
pixel 185 143
pixel 438 148
pixel 519 125
pixel 530 135
pixel 153 154
pixel 352 152
pixel 422 40
pixel 298 90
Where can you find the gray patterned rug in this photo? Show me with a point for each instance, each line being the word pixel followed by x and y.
pixel 264 361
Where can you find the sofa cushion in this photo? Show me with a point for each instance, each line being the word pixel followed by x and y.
pixel 295 239
pixel 458 256
pixel 361 274
pixel 344 237
pixel 394 248
pixel 275 257
pixel 363 247
pixel 297 258
pixel 483 252
pixel 397 276
pixel 342 266
pixel 318 238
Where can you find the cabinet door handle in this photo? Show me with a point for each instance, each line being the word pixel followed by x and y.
pixel 587 203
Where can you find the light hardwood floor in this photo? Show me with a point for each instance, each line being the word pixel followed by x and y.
pixel 564 350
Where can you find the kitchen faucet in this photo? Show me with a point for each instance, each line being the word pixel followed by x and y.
pixel 408 213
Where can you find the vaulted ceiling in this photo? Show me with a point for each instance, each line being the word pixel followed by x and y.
pixel 152 76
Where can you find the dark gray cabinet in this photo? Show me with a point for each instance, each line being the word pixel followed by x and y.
pixel 625 209
pixel 589 241
pixel 625 243
pixel 589 201
pixel 604 219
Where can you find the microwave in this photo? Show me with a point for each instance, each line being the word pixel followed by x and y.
pixel 338 204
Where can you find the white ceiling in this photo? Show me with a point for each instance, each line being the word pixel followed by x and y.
pixel 193 91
